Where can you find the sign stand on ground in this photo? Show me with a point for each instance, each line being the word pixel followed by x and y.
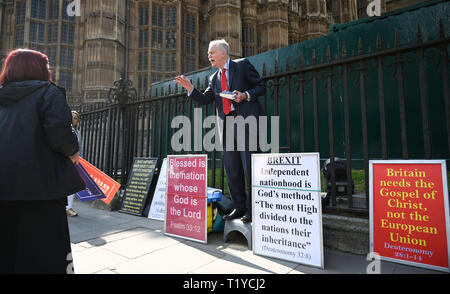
pixel 186 197
pixel 287 211
pixel 409 212
pixel 138 186
pixel 157 209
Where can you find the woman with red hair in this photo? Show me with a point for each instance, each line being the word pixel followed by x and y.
pixel 38 150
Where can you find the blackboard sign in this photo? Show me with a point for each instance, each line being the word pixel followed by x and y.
pixel 139 182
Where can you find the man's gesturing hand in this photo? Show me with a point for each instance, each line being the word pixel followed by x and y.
pixel 184 82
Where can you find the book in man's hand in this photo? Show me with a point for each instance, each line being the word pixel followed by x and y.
pixel 228 95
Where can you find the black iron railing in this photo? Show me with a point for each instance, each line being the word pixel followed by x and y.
pixel 356 106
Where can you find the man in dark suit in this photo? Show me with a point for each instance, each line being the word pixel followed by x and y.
pixel 243 80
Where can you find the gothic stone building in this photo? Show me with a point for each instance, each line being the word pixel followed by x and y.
pixel 154 40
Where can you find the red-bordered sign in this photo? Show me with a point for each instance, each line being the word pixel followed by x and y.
pixel 186 198
pixel 409 212
pixel 108 186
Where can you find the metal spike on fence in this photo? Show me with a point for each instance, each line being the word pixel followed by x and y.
pixel 264 70
pixel 276 66
pixel 328 53
pixel 288 68
pixel 360 46
pixel 441 29
pixel 397 38
pixel 314 58
pixel 378 42
pixel 344 51
pixel 300 63
pixel 169 90
pixel 419 34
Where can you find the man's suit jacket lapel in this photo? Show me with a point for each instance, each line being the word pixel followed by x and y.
pixel 217 87
pixel 232 74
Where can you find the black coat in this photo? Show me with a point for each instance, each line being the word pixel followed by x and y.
pixel 36 139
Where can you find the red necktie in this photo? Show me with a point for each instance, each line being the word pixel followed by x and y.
pixel 226 103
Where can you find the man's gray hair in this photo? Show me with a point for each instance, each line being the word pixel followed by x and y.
pixel 222 44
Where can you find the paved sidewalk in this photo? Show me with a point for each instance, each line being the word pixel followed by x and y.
pixel 106 242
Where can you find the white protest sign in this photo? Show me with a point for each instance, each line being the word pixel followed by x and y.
pixel 158 207
pixel 287 210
